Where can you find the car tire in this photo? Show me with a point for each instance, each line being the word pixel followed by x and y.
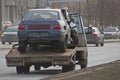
pixel 3 42
pixel 97 44
pixel 102 44
pixel 10 42
pixel 22 47
pixel 19 69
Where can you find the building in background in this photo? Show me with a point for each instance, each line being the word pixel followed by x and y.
pixel 14 10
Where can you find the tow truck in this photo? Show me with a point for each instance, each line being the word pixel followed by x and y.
pixel 47 56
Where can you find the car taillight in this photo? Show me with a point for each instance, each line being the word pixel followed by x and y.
pixel 94 34
pixel 21 28
pixel 55 27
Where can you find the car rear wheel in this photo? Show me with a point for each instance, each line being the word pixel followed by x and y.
pixel 3 42
pixel 10 42
pixel 97 44
pixel 102 43
pixel 22 46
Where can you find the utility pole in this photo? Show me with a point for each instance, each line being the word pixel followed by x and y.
pixel 0 15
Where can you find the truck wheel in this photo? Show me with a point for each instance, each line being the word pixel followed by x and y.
pixel 66 68
pixel 19 69
pixel 63 46
pixel 37 67
pixel 26 69
pixel 83 63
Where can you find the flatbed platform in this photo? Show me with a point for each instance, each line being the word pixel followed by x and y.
pixel 43 52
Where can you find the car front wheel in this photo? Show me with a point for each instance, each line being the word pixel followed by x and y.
pixel 3 42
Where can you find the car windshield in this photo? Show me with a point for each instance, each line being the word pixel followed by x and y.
pixel 42 15
pixel 11 29
pixel 86 30
pixel 109 30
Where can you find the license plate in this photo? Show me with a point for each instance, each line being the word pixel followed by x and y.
pixel 42 34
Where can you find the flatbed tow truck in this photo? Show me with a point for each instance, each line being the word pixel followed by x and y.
pixel 45 56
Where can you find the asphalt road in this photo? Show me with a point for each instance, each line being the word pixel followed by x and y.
pixel 97 55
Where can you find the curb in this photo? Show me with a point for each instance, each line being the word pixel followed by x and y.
pixel 90 73
pixel 112 40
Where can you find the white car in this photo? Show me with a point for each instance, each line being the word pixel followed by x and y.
pixel 95 37
pixel 6 24
pixel 10 35
pixel 111 33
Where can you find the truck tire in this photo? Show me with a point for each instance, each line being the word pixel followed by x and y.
pixel 22 69
pixel 26 69
pixel 37 67
pixel 63 46
pixel 19 69
pixel 83 63
pixel 22 47
pixel 66 68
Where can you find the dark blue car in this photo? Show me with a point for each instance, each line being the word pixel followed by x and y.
pixel 43 27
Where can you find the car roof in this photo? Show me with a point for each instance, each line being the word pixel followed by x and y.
pixel 45 9
pixel 13 26
pixel 92 27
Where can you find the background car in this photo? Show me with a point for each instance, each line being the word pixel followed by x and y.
pixel 111 33
pixel 10 35
pixel 6 24
pixel 95 36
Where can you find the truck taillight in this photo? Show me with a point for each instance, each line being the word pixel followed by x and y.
pixel 21 28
